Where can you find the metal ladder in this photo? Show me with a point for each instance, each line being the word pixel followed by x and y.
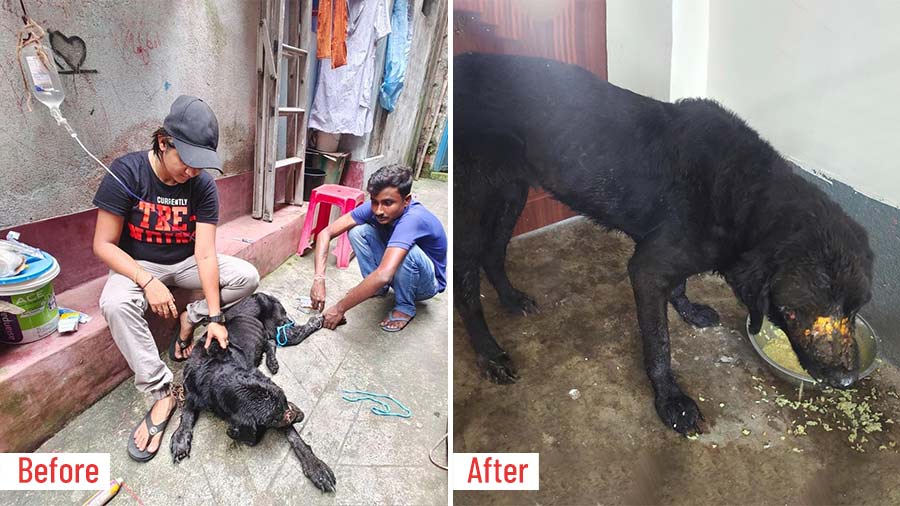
pixel 282 48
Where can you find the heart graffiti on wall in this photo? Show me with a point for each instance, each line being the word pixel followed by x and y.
pixel 72 50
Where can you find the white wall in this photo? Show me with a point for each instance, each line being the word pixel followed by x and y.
pixel 819 78
pixel 690 49
pixel 639 45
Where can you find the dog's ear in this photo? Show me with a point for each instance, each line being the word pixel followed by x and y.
pixel 751 280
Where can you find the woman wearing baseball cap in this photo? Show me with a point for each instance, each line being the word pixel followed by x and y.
pixel 156 228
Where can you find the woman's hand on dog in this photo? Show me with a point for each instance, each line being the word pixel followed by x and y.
pixel 218 332
pixel 317 294
pixel 160 299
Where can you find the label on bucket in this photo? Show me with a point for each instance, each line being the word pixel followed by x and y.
pixel 38 320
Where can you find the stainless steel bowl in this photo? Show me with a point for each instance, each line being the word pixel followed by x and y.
pixel 868 343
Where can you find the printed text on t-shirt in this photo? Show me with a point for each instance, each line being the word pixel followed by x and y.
pixel 169 227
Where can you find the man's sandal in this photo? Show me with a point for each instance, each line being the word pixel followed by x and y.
pixel 391 318
pixel 152 430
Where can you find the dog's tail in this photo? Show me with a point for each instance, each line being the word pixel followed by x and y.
pixel 313 468
pixel 298 333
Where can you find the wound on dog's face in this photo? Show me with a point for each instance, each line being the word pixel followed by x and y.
pixel 283 412
pixel 817 310
pixel 291 415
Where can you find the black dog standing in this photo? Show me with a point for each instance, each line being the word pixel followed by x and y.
pixel 228 383
pixel 693 185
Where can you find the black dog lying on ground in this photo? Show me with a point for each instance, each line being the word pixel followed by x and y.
pixel 694 186
pixel 228 383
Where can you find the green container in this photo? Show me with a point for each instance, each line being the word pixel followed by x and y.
pixel 36 304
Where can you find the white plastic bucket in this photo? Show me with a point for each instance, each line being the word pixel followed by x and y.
pixel 36 297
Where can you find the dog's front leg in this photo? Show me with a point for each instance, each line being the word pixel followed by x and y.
pixel 298 333
pixel 698 315
pixel 180 444
pixel 271 361
pixel 652 281
pixel 313 468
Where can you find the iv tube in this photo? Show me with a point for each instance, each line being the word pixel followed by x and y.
pixel 57 115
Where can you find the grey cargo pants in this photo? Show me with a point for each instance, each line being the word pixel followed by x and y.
pixel 123 305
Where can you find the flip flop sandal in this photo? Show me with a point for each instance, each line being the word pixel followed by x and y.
pixel 182 345
pixel 144 455
pixel 392 318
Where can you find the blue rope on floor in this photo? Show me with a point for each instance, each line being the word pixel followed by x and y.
pixel 385 409
pixel 281 335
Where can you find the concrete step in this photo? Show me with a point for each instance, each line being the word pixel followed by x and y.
pixel 45 384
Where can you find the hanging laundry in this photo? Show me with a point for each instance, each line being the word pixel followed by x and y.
pixel 343 101
pixel 331 33
pixel 398 45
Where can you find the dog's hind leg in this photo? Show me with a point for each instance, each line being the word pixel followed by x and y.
pixel 180 444
pixel 271 361
pixel 473 198
pixel 298 333
pixel 658 266
pixel 290 337
pixel 512 199
pixel 698 315
pixel 495 362
pixel 313 468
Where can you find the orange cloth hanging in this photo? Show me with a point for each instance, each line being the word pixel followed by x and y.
pixel 331 33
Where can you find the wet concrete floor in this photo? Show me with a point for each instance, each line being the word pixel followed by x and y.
pixel 604 444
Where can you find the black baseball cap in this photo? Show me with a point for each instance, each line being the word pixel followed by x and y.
pixel 195 132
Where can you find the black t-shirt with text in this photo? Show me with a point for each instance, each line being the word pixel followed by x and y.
pixel 159 227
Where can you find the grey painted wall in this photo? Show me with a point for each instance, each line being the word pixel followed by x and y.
pixel 145 54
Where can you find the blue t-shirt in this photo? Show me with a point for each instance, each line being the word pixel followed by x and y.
pixel 416 226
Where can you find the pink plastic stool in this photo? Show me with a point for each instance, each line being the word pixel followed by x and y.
pixel 330 195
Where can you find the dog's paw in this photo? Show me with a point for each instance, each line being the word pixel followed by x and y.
pixel 319 474
pixel 499 369
pixel 681 413
pixel 701 316
pixel 517 302
pixel 272 364
pixel 180 447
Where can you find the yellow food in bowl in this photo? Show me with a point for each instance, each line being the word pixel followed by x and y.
pixel 778 348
